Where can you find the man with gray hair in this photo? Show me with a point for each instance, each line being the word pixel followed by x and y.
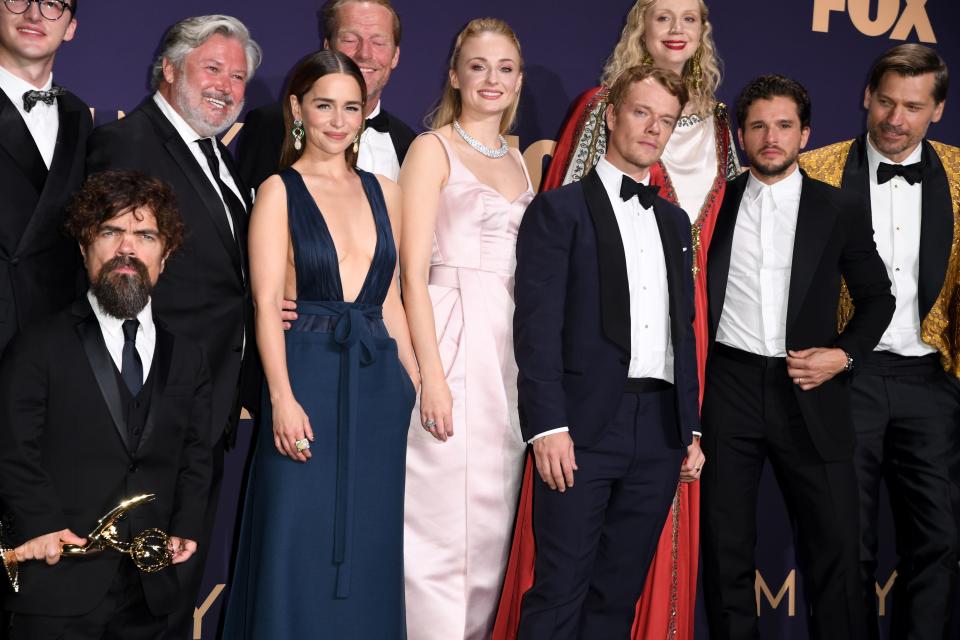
pixel 200 75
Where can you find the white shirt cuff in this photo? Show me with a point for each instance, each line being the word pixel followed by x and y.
pixel 697 433
pixel 547 433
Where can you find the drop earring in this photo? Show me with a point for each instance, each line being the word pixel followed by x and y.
pixel 297 134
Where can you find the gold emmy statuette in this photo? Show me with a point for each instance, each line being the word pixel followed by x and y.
pixel 148 549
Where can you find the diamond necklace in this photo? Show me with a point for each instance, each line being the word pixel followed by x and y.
pixel 479 146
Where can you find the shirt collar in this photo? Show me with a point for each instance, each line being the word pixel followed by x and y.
pixel 611 177
pixel 185 130
pixel 114 326
pixel 875 157
pixel 15 87
pixel 783 190
pixel 375 112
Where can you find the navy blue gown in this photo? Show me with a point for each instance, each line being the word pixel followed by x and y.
pixel 321 543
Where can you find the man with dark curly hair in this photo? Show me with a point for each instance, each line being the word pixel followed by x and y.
pixel 100 403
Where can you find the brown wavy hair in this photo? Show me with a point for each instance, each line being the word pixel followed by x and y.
pixel 631 52
pixel 108 194
pixel 308 71
pixel 451 105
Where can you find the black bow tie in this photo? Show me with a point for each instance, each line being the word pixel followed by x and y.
pixel 645 194
pixel 379 123
pixel 32 97
pixel 909 172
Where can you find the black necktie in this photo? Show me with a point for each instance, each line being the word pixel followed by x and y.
pixel 378 123
pixel 645 194
pixel 32 97
pixel 237 212
pixel 131 367
pixel 909 172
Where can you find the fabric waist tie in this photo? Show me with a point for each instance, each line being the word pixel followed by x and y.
pixel 350 326
pixel 443 275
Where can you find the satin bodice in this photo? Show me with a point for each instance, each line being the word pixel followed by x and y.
pixel 476 226
pixel 315 255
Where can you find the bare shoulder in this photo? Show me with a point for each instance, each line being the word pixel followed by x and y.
pixel 271 197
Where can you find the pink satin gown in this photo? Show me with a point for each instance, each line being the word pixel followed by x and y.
pixel 461 495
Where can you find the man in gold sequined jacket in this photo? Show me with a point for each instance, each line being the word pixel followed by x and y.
pixel 906 396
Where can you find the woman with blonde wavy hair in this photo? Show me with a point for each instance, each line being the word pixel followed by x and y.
pixel 465 193
pixel 675 35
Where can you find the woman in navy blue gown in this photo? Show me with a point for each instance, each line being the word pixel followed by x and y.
pixel 321 542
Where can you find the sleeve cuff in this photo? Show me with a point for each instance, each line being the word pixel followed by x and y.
pixel 547 433
pixel 697 434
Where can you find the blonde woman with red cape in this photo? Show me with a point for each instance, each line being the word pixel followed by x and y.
pixel 698 160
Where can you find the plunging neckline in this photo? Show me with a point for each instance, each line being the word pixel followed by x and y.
pixel 523 167
pixel 329 238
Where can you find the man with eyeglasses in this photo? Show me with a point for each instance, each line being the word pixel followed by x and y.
pixel 43 132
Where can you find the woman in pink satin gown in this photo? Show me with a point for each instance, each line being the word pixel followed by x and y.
pixel 464 195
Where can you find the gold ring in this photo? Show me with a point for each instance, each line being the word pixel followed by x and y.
pixel 302 444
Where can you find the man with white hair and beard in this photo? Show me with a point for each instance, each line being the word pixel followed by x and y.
pixel 200 75
pixel 100 403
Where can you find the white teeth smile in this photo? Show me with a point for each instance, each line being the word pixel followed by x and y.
pixel 491 94
pixel 219 104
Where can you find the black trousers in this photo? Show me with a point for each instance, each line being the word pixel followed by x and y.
pixel 190 573
pixel 906 412
pixel 596 540
pixel 750 414
pixel 121 615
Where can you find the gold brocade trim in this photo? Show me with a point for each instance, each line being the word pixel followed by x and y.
pixel 591 138
pixel 941 327
pixel 674 566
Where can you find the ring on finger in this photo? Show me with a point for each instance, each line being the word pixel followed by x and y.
pixel 302 445
pixel 429 424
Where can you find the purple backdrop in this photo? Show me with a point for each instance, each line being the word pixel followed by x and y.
pixel 565 43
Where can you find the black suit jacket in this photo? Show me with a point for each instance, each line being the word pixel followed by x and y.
pixel 834 239
pixel 936 219
pixel 65 458
pixel 203 294
pixel 39 263
pixel 572 318
pixel 261 140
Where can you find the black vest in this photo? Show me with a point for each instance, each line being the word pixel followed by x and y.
pixel 135 408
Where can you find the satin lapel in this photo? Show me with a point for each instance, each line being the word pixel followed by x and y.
pixel 672 250
pixel 241 232
pixel 718 260
pixel 614 287
pixel 816 218
pixel 936 229
pixel 103 368
pixel 19 144
pixel 64 155
pixel 194 173
pixel 856 173
pixel 161 370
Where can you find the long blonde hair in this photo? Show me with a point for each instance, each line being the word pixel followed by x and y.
pixel 630 52
pixel 451 105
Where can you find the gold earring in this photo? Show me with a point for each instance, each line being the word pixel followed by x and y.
pixel 646 59
pixel 696 72
pixel 297 134
pixel 356 141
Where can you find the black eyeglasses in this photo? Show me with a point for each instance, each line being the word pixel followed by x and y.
pixel 49 9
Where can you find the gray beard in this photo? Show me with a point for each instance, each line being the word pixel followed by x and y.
pixel 122 296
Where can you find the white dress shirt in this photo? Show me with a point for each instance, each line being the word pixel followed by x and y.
pixel 112 330
pixel 43 121
pixel 651 348
pixel 377 153
pixel 754 317
pixel 895 207
pixel 191 138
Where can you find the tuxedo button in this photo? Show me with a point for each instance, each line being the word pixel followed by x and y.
pixel 132 468
pixel 15 261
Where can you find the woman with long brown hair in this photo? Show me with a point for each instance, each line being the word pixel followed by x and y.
pixel 321 540
pixel 464 193
pixel 675 35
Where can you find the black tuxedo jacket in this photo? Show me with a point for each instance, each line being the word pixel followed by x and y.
pixel 261 140
pixel 204 293
pixel 65 457
pixel 834 239
pixel 39 263
pixel 572 319
pixel 936 221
